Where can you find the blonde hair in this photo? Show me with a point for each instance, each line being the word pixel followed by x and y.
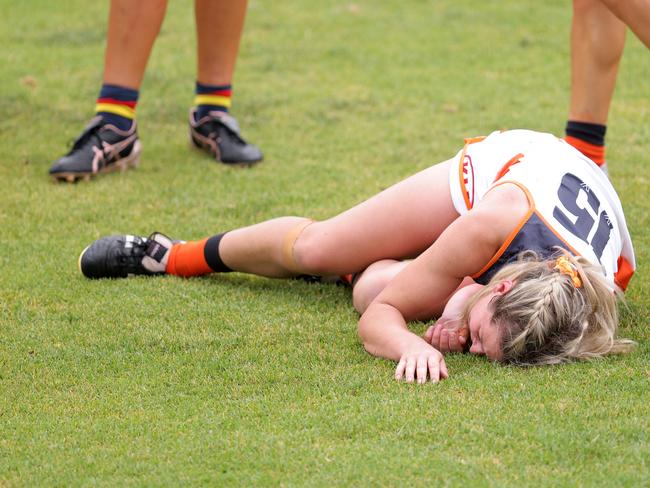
pixel 550 316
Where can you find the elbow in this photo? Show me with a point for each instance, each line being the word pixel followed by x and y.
pixel 377 328
pixel 368 346
pixel 361 331
pixel 364 334
pixel 367 330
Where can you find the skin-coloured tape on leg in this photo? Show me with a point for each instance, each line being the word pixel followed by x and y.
pixel 288 244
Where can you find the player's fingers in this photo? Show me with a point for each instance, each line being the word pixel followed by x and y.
pixel 435 337
pixel 434 369
pixel 399 370
pixel 444 373
pixel 410 370
pixel 454 345
pixel 422 370
pixel 444 341
pixel 429 334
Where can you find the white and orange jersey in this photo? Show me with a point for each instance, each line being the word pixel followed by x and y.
pixel 572 203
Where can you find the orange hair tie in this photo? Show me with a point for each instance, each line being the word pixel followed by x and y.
pixel 566 267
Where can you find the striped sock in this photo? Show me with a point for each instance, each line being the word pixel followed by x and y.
pixel 116 105
pixel 195 258
pixel 211 98
pixel 587 138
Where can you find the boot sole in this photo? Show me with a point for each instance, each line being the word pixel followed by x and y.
pixel 131 161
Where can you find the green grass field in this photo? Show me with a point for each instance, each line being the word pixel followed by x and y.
pixel 242 381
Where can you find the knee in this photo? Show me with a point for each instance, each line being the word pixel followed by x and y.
pixel 371 282
pixel 311 253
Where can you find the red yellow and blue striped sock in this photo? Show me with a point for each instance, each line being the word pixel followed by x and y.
pixel 116 105
pixel 210 98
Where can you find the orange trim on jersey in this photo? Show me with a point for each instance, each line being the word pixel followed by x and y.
pixel 557 234
pixel 624 273
pixel 622 276
pixel 461 179
pixel 505 245
pixel 461 165
pixel 472 140
pixel 515 231
pixel 534 210
pixel 506 167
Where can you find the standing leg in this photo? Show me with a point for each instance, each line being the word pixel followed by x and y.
pixel 636 14
pixel 219 25
pixel 132 30
pixel 597 42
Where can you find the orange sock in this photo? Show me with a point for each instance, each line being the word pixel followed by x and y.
pixel 594 152
pixel 188 259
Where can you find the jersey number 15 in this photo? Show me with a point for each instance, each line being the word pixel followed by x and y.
pixel 581 223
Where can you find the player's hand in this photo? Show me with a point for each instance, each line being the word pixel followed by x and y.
pixel 447 335
pixel 421 363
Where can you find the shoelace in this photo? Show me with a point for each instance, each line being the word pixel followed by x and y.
pixel 215 132
pixel 133 259
pixel 92 132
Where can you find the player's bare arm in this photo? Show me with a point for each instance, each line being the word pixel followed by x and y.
pixel 422 289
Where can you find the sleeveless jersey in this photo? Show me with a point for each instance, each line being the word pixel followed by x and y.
pixel 572 202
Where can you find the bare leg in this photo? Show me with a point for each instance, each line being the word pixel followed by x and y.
pixel 373 280
pixel 219 24
pixel 132 30
pixel 597 42
pixel 636 14
pixel 399 222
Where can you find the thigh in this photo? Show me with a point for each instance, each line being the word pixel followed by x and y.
pixel 400 222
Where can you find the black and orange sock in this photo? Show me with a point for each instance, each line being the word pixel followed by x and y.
pixel 116 105
pixel 587 138
pixel 195 258
pixel 210 98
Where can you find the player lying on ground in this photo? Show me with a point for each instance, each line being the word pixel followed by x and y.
pixel 412 246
